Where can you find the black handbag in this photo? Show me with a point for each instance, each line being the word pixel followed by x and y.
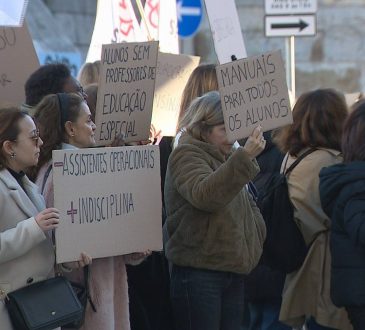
pixel 82 291
pixel 83 294
pixel 44 305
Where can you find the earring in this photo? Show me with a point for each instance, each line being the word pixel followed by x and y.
pixel 12 155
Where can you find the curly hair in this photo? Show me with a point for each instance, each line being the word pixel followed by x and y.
pixel 48 79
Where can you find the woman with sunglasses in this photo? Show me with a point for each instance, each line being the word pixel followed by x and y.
pixel 26 253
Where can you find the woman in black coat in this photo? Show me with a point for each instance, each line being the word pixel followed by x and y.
pixel 342 189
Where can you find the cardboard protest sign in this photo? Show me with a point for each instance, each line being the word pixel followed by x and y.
pixel 173 72
pixel 12 12
pixel 254 92
pixel 126 89
pixel 109 201
pixel 226 30
pixel 18 61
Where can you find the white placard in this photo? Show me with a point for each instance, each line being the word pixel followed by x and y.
pixel 226 30
pixel 115 22
pixel 167 35
pixel 109 201
pixel 12 12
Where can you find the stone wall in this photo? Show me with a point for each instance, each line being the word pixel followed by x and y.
pixel 333 58
pixel 77 17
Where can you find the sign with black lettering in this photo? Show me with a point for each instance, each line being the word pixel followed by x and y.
pixel 126 89
pixel 18 61
pixel 254 92
pixel 173 72
pixel 109 201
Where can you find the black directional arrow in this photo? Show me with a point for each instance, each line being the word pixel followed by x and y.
pixel 301 25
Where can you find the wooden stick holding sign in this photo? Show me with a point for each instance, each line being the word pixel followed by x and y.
pixel 143 18
pixel 126 89
pixel 109 201
pixel 254 92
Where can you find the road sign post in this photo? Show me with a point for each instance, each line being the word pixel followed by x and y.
pixel 290 18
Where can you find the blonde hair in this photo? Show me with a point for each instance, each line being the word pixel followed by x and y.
pixel 205 113
pixel 202 80
pixel 89 73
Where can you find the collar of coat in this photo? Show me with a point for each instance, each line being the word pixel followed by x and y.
pixel 30 201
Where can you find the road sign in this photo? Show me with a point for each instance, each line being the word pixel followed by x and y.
pixel 290 7
pixel 189 15
pixel 285 26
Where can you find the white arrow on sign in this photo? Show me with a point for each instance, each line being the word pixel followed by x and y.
pixel 186 11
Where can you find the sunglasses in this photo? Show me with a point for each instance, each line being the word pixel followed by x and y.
pixel 35 137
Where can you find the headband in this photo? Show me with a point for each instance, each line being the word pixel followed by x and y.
pixel 63 100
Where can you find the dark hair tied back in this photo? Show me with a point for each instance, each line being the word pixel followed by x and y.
pixel 64 102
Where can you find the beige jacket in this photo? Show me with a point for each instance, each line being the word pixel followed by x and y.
pixel 307 291
pixel 212 221
pixel 26 253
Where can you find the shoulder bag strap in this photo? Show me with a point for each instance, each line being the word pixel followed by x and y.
pixel 46 175
pixel 298 160
pixel 87 288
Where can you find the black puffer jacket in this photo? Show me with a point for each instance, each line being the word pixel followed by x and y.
pixel 264 285
pixel 342 190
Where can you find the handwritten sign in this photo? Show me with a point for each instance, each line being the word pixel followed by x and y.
pixel 126 89
pixel 254 92
pixel 173 72
pixel 109 201
pixel 18 61
pixel 226 30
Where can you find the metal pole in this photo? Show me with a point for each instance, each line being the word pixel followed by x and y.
pixel 292 64
pixel 287 61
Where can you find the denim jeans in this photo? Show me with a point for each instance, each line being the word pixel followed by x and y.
pixel 206 300
pixel 313 325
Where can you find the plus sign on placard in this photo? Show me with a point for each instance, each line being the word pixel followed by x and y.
pixel 72 212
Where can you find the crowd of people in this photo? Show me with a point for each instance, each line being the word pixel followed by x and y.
pixel 211 274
